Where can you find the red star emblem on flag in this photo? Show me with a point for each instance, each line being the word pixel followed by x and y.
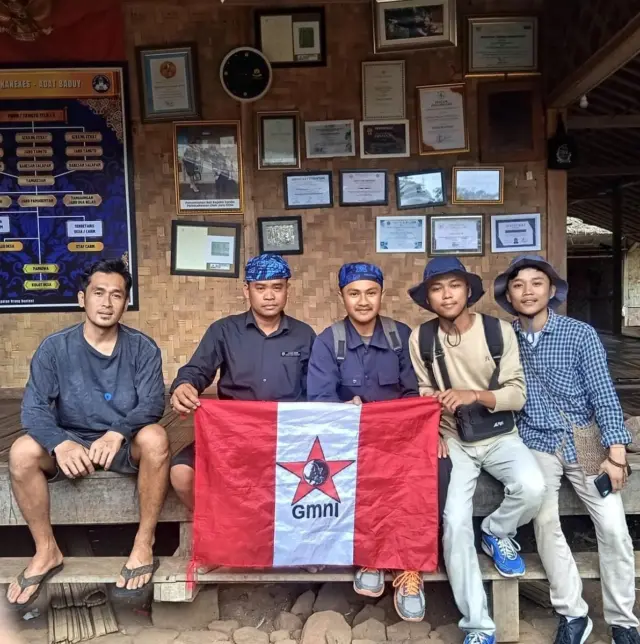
pixel 316 473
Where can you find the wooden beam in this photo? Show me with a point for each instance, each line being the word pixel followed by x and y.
pixel 106 570
pixel 607 122
pixel 618 205
pixel 612 171
pixel 605 62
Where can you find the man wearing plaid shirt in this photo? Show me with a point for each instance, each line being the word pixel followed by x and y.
pixel 568 384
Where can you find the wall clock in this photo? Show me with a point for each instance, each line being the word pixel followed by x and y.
pixel 245 74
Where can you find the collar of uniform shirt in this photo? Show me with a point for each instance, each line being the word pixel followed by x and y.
pixel 549 326
pixel 354 340
pixel 250 320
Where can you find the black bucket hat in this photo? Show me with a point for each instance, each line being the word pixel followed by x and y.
pixel 529 261
pixel 446 266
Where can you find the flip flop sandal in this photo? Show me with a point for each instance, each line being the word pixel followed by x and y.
pixel 129 573
pixel 36 580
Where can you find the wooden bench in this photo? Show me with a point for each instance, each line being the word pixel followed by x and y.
pixel 108 498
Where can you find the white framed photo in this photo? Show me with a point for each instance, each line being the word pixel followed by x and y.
pixel 480 185
pixel 326 139
pixel 414 24
pixel 384 139
pixel 515 233
pixel 401 234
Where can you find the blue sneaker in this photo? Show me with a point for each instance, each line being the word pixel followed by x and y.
pixel 504 553
pixel 477 637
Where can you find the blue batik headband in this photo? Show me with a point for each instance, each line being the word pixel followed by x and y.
pixel 359 271
pixel 267 267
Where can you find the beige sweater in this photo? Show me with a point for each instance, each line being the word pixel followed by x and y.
pixel 471 366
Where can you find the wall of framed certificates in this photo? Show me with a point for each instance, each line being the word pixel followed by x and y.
pixel 420 61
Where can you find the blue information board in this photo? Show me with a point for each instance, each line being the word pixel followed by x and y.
pixel 66 184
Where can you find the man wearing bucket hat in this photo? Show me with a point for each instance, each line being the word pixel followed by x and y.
pixel 365 358
pixel 470 362
pixel 262 354
pixel 569 387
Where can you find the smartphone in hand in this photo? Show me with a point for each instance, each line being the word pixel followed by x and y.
pixel 603 482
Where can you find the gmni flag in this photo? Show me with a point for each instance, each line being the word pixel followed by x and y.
pixel 295 484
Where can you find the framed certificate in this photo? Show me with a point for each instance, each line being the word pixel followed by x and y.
pixel 383 90
pixel 168 82
pixel 326 139
pixel 420 189
pixel 363 188
pixel 502 45
pixel 205 249
pixel 456 235
pixel 208 167
pixel 282 235
pixel 292 37
pixel 384 139
pixel 278 140
pixel 515 233
pixel 442 119
pixel 477 186
pixel 401 234
pixel 303 190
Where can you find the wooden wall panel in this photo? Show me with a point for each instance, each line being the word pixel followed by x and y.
pixel 177 310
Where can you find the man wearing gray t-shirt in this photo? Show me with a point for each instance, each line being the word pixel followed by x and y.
pixel 93 400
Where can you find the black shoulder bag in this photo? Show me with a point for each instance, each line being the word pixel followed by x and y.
pixel 474 422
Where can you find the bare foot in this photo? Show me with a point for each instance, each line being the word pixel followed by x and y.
pixel 43 561
pixel 141 555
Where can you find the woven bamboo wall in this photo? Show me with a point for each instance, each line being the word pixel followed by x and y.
pixel 175 311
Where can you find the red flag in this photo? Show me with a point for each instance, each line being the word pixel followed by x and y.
pixel 294 484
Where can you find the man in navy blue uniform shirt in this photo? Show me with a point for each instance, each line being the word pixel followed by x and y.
pixel 365 358
pixel 261 354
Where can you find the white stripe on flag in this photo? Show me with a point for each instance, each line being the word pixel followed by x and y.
pixel 316 529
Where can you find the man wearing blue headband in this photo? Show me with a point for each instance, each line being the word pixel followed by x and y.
pixel 360 359
pixel 261 354
pixel 573 423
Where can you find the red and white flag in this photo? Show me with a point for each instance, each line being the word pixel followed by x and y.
pixel 295 484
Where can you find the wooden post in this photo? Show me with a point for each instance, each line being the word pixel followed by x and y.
pixel 616 236
pixel 506 609
pixel 557 204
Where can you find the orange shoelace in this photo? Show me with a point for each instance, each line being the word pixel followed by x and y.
pixel 408 582
pixel 365 569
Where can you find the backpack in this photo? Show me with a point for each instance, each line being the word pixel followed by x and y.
pixel 474 422
pixel 339 330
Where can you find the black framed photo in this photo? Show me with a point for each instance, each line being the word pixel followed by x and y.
pixel 363 188
pixel 303 190
pixel 384 139
pixel 292 37
pixel 168 82
pixel 205 248
pixel 456 235
pixel 420 189
pixel 281 235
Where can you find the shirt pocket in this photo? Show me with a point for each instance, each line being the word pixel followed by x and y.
pixel 351 380
pixel 389 374
pixel 562 382
pixel 292 367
